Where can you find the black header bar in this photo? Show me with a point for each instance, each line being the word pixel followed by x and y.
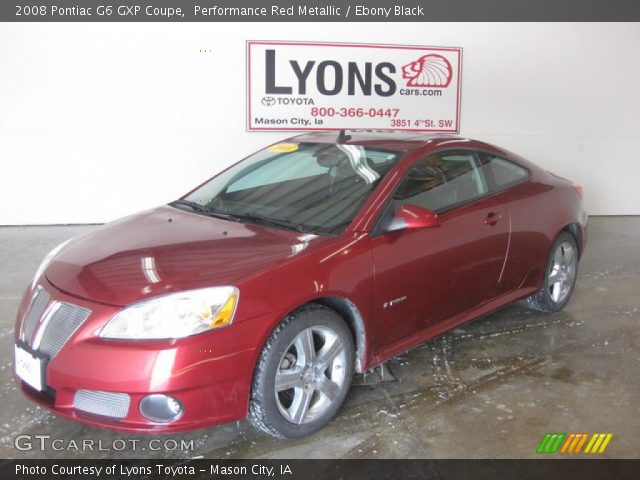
pixel 318 11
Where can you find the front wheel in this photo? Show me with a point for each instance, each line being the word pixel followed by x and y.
pixel 303 374
pixel 560 276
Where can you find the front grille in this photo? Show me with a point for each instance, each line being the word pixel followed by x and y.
pixel 64 321
pixel 48 325
pixel 106 404
pixel 38 306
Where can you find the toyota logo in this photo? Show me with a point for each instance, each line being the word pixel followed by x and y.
pixel 268 101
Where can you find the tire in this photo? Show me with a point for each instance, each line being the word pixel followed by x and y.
pixel 559 278
pixel 311 355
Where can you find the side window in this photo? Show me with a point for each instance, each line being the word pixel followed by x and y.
pixel 501 172
pixel 441 181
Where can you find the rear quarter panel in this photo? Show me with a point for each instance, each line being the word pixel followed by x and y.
pixel 540 209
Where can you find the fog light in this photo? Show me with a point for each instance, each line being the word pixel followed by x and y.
pixel 161 408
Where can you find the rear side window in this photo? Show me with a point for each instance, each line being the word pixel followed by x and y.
pixel 502 173
pixel 441 181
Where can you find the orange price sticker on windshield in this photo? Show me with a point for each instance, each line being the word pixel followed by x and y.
pixel 283 147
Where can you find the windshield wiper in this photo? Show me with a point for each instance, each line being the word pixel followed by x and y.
pixel 237 217
pixel 202 209
pixel 188 203
pixel 266 221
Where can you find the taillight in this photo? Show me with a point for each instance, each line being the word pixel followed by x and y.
pixel 578 189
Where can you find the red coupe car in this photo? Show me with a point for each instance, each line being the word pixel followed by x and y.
pixel 259 294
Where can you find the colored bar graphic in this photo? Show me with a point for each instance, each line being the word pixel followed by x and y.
pixel 550 443
pixel 558 442
pixel 605 442
pixel 598 442
pixel 596 446
pixel 591 442
pixel 573 443
pixel 571 440
pixel 581 443
pixel 543 443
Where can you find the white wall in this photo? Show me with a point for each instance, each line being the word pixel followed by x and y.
pixel 101 120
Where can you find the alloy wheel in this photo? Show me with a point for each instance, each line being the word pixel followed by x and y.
pixel 311 374
pixel 562 273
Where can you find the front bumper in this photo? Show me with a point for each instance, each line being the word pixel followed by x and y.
pixel 210 374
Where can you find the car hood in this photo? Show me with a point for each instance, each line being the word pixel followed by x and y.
pixel 166 250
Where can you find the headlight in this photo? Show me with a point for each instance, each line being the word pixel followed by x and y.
pixel 176 315
pixel 46 261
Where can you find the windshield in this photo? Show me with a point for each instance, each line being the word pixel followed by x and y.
pixel 310 187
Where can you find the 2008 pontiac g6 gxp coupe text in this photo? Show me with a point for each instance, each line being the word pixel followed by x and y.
pixel 259 294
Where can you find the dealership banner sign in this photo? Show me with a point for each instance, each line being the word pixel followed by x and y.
pixel 331 86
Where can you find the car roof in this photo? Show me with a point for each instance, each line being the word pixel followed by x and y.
pixel 386 139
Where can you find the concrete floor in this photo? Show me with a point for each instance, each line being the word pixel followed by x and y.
pixel 491 389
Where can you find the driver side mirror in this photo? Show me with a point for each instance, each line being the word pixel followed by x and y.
pixel 411 217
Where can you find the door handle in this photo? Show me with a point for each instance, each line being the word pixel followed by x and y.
pixel 492 218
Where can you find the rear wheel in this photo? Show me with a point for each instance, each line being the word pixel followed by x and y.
pixel 560 276
pixel 303 374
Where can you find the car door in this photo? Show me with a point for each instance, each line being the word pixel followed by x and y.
pixel 424 276
pixel 510 186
